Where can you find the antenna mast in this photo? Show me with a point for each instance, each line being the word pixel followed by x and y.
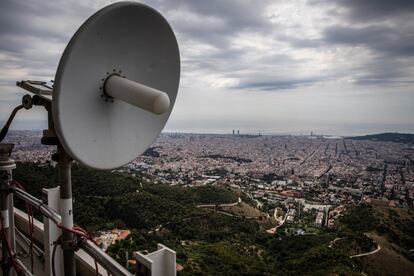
pixel 114 90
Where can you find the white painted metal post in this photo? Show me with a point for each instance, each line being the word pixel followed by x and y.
pixel 52 233
pixel 66 211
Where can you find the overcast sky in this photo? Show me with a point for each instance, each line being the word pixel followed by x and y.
pixel 334 67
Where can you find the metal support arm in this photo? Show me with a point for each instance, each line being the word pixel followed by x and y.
pixel 5 128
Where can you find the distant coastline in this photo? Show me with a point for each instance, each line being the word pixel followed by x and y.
pixel 405 138
pixel 384 137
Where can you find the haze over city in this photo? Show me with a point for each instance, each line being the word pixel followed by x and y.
pixel 332 67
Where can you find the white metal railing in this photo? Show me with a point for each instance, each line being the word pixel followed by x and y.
pixel 87 246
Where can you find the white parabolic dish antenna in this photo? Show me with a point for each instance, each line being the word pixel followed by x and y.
pixel 116 85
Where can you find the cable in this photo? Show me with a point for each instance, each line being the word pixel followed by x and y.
pixel 54 254
pixel 3 230
pixel 58 241
pixel 77 230
pixel 8 247
pixel 31 230
pixel 31 224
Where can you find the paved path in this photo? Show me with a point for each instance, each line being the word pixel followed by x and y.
pixel 333 241
pixel 368 253
pixel 208 207
pixel 220 205
pixel 358 255
pixel 275 214
pixel 273 230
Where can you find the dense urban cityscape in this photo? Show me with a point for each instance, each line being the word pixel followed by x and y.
pixel 316 169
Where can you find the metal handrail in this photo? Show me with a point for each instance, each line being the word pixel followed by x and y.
pixel 35 202
pixel 106 261
pixel 23 267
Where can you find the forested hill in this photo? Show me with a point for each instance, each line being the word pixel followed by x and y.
pixel 104 199
pixel 387 137
pixel 210 243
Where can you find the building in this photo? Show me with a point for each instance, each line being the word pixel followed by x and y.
pixel 290 218
pixel 319 218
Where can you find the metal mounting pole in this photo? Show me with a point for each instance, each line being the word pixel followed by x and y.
pixel 12 233
pixel 5 222
pixel 66 209
pixel 6 166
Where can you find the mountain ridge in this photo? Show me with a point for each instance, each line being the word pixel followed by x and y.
pixel 406 138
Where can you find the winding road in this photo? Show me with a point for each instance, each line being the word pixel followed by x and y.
pixel 357 255
pixel 239 200
pixel 368 253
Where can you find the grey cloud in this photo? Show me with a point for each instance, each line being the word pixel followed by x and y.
pixel 232 18
pixel 383 70
pixel 390 40
pixel 219 23
pixel 237 14
pixel 30 18
pixel 392 47
pixel 235 17
pixel 272 84
pixel 278 59
pixel 366 10
pixel 385 28
pixel 33 34
pixel 304 43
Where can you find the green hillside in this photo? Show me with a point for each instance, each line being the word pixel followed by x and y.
pixel 208 243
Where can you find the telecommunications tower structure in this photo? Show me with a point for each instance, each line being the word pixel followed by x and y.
pixel 113 92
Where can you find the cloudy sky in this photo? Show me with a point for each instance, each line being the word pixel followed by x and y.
pixel 328 66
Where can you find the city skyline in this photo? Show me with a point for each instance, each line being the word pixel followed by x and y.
pixel 332 67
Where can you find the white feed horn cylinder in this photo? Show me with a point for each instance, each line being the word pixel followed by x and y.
pixel 137 94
